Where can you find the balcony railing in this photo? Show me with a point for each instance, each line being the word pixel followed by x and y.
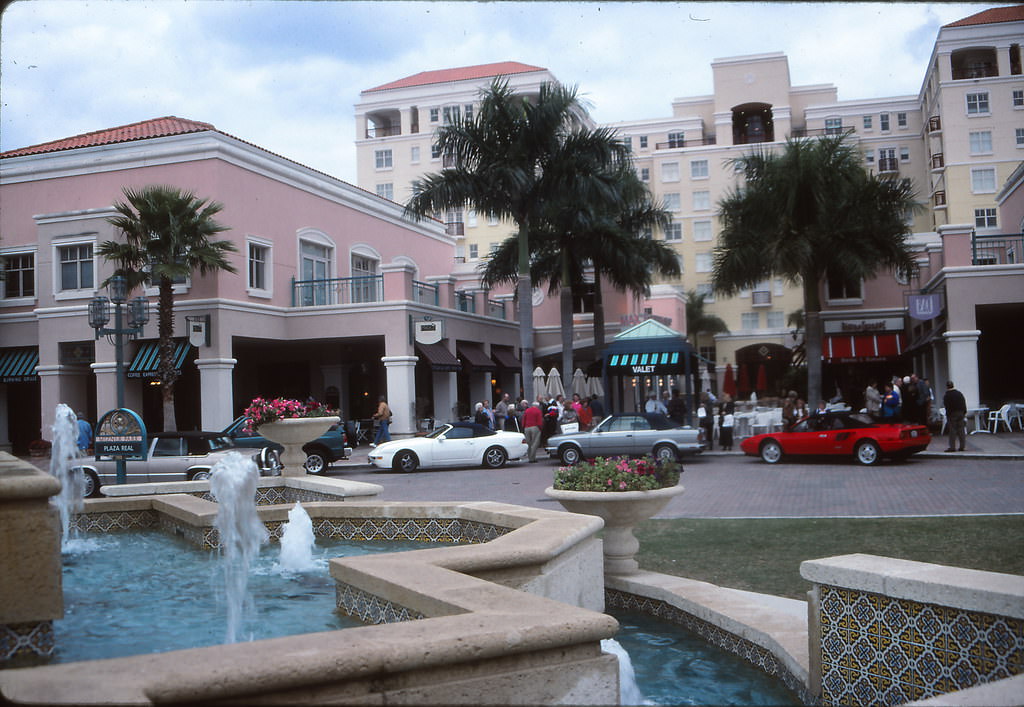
pixel 455 228
pixel 999 249
pixel 820 132
pixel 888 164
pixel 674 144
pixel 761 298
pixel 338 290
pixel 938 161
pixel 389 131
pixel 425 293
pixel 496 308
pixel 939 198
pixel 934 124
pixel 465 302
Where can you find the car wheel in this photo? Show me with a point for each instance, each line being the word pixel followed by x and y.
pixel 90 484
pixel 665 453
pixel 406 461
pixel 867 453
pixel 569 454
pixel 771 451
pixel 199 475
pixel 495 458
pixel 316 463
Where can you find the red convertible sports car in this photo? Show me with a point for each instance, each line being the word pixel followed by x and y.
pixel 840 433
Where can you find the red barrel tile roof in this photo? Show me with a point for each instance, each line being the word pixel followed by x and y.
pixel 157 127
pixel 1012 13
pixel 464 73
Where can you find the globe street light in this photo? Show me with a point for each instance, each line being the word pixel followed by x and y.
pixel 99 317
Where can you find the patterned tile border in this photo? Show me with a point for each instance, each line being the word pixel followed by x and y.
pixel 751 652
pixel 115 520
pixel 369 608
pixel 883 650
pixel 35 638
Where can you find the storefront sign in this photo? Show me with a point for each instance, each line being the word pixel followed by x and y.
pixel 863 326
pixel 121 434
pixel 924 307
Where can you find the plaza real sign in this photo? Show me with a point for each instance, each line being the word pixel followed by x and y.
pixel 121 433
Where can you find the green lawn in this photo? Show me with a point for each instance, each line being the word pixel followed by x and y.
pixel 764 555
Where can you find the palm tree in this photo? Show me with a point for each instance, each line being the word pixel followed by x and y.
pixel 811 214
pixel 166 238
pixel 603 235
pixel 700 321
pixel 512 158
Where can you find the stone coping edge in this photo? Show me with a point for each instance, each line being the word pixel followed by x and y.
pixel 335 487
pixel 781 632
pixel 971 590
pixel 21 480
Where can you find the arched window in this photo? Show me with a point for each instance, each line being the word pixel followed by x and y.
pixel 752 123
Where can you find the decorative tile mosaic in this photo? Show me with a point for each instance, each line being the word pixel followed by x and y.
pixel 119 520
pixel 882 650
pixel 35 638
pixel 715 635
pixel 371 609
pixel 438 530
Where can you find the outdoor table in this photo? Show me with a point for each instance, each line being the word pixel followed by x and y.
pixel 979 414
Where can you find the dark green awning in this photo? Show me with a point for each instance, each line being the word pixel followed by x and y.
pixel 147 359
pixel 19 365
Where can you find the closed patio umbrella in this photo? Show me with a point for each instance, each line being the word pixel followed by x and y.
pixel 579 383
pixel 729 384
pixel 594 387
pixel 555 387
pixel 540 386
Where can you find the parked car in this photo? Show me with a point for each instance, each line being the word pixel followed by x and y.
pixel 846 433
pixel 323 451
pixel 451 444
pixel 173 456
pixel 634 434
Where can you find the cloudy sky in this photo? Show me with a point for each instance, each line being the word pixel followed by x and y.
pixel 285 75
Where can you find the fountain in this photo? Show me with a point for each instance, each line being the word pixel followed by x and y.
pixel 63 455
pixel 629 691
pixel 233 484
pixel 297 541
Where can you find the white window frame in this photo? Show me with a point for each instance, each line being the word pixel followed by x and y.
pixel 672 202
pixel 414 154
pixel 471 218
pixel 778 287
pixel 676 138
pixel 705 288
pixel 984 215
pixel 383 159
pixel 669 171
pixel 980 99
pixel 1017 98
pixel 267 246
pixel 20 301
pixel 904 154
pixel 1019 136
pixel 699 169
pixel 674 232
pixel 775 319
pixel 386 190
pixel 645 174
pixel 846 298
pixel 868 123
pixel 474 251
pixel 980 142
pixel 901 120
pixel 833 126
pixel 643 142
pixel 435 114
pixel 750 321
pixel 701 200
pixel 58 244
pixel 702 231
pixel 883 122
pixel 704 262
pixel 976 173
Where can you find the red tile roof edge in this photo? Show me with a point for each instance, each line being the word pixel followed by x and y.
pixel 993 15
pixel 142 130
pixel 462 73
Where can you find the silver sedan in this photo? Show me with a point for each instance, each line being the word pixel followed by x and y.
pixel 628 435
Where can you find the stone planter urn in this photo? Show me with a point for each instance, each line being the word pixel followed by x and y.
pixel 620 510
pixel 292 433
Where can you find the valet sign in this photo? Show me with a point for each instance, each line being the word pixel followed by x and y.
pixel 121 433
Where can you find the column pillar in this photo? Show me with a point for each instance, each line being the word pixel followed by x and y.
pixel 401 385
pixel 218 400
pixel 962 361
pixel 5 419
pixel 49 396
pixel 445 290
pixel 956 244
pixel 397 281
pixel 446 393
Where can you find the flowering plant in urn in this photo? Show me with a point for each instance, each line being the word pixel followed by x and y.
pixel 262 411
pixel 618 474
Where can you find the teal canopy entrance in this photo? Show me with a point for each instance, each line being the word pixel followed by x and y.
pixel 644 358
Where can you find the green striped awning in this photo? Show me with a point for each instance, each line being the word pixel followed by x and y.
pixel 147 358
pixel 19 365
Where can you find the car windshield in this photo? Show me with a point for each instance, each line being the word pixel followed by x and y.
pixel 439 431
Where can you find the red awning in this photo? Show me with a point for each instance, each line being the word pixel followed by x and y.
pixel 856 349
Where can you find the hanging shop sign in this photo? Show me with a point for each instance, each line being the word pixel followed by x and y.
pixel 924 307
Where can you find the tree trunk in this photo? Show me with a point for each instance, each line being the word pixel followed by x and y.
pixel 167 373
pixel 598 315
pixel 565 305
pixel 524 292
pixel 812 338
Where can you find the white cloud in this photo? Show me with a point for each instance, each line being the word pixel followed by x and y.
pixel 285 75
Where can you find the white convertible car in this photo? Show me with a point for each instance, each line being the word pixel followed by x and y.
pixel 451 444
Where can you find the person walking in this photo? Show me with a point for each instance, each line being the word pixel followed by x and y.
pixel 84 433
pixel 873 400
pixel 502 412
pixel 533 421
pixel 383 419
pixel 726 418
pixel 956 417
pixel 891 403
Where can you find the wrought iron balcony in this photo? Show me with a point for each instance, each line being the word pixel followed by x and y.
pixel 938 161
pixel 939 198
pixel 425 293
pixel 674 144
pixel 388 131
pixel 338 290
pixel 496 308
pixel 888 164
pixel 999 249
pixel 455 228
pixel 761 298
pixel 465 302
pixel 934 124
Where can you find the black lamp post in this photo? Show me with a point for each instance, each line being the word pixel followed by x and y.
pixel 99 317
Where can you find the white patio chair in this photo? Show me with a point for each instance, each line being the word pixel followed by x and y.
pixel 942 414
pixel 995 417
pixel 762 421
pixel 1017 413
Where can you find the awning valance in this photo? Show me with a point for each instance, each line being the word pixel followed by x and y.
pixel 474 357
pixel 439 357
pixel 147 359
pixel 863 348
pixel 659 362
pixel 19 365
pixel 505 358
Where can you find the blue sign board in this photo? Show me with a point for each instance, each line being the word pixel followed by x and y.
pixel 121 434
pixel 924 307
